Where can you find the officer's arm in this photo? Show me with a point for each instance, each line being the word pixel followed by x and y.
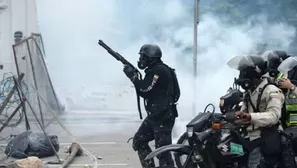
pixel 275 100
pixel 147 85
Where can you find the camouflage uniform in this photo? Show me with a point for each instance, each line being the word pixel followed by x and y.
pixel 269 114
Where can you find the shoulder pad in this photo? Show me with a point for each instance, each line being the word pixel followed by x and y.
pixel 273 90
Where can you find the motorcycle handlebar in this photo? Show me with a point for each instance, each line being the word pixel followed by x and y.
pixel 231 117
pixel 202 136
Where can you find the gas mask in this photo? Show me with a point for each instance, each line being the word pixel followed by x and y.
pixel 273 73
pixel 143 61
pixel 245 79
pixel 272 67
pixel 245 83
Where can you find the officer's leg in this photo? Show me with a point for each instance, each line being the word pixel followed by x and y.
pixel 162 138
pixel 140 143
pixel 254 158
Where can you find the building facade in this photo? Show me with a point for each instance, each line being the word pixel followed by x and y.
pixel 15 15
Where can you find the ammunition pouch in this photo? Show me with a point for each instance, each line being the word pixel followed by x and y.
pixel 271 145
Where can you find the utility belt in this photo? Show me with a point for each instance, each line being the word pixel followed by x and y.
pixel 158 111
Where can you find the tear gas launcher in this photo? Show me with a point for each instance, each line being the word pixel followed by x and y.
pixel 120 58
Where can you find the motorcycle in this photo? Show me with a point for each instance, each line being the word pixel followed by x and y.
pixel 220 145
pixel 228 102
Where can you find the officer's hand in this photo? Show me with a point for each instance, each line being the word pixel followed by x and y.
pixel 129 72
pixel 243 115
pixel 285 84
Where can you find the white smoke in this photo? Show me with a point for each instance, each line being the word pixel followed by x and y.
pixel 71 31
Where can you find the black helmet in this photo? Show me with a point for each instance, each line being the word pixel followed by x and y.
pixel 274 58
pixel 151 50
pixel 250 67
pixel 243 62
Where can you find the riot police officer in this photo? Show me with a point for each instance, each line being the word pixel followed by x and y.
pixel 262 105
pixel 160 91
pixel 274 58
pixel 289 66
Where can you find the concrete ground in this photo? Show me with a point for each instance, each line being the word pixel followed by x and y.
pixel 104 134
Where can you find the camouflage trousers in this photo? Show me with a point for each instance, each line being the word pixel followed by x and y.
pixel 149 131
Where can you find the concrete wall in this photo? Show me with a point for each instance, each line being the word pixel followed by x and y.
pixel 15 15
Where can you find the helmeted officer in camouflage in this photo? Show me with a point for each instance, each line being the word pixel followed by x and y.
pixel 289 66
pixel 276 59
pixel 160 91
pixel 273 59
pixel 262 105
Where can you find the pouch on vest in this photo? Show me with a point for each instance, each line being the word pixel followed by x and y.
pixel 291 111
pixel 271 145
pixel 271 140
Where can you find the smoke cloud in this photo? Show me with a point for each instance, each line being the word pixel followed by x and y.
pixel 79 66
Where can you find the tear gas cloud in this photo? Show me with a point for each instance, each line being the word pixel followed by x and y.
pixel 79 66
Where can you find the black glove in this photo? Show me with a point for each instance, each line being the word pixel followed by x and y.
pixel 129 72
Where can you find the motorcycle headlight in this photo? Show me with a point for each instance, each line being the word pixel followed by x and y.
pixel 190 131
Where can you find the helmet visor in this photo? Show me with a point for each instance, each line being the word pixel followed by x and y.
pixel 269 55
pixel 287 65
pixel 241 62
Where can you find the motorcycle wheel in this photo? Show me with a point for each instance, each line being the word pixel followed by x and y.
pixel 181 158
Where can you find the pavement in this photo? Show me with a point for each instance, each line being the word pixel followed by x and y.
pixel 104 134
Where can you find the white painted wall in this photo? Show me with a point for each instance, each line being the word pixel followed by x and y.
pixel 15 15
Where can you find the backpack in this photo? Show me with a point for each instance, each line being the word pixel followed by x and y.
pixel 173 89
pixel 175 85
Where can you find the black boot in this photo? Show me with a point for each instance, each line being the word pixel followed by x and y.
pixel 145 163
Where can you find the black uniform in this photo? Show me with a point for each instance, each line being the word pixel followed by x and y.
pixel 155 89
pixel 160 91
